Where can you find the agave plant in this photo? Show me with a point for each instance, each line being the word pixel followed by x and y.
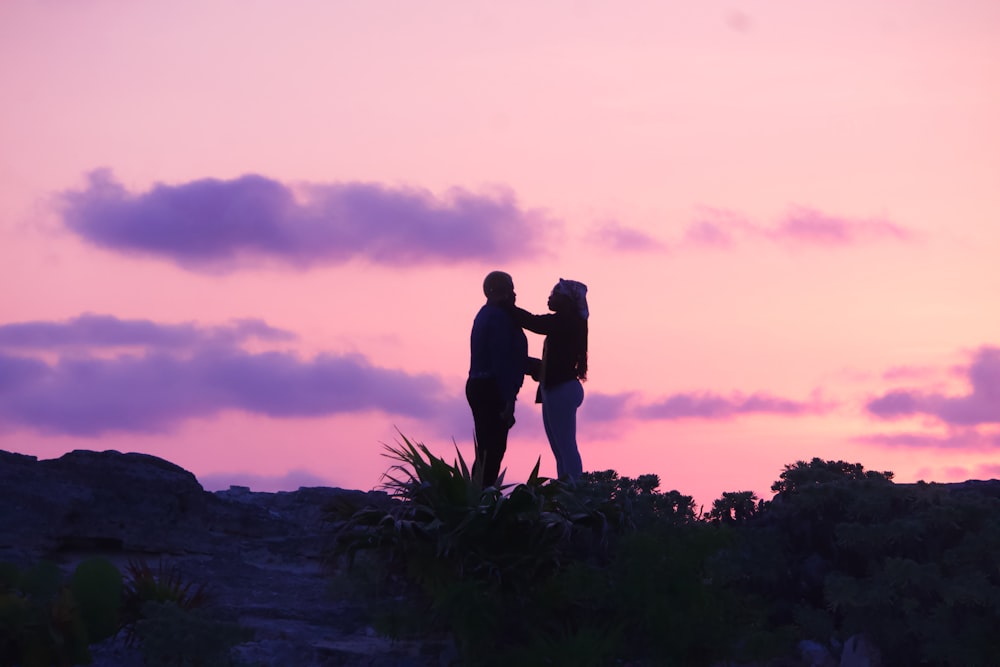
pixel 477 557
pixel 145 584
pixel 422 478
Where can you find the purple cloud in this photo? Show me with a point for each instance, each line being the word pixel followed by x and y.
pixel 980 406
pixel 808 226
pixel 715 406
pixel 601 408
pixel 157 391
pixel 707 233
pixel 801 226
pixel 185 372
pixel 908 373
pixel 89 330
pixel 965 438
pixel 218 225
pixel 17 371
pixel 894 404
pixel 606 407
pixel 987 471
pixel 616 236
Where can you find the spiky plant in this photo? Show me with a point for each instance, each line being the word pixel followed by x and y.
pixel 476 557
pixel 417 476
pixel 145 584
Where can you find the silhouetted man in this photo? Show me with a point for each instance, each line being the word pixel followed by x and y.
pixel 496 372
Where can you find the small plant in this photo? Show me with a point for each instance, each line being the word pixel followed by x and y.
pixel 164 584
pixel 47 620
pixel 168 617
pixel 801 475
pixel 171 636
pixel 630 504
pixel 97 588
pixel 735 507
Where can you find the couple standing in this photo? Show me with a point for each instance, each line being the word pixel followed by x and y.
pixel 500 361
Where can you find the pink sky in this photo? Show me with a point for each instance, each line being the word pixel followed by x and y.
pixel 249 237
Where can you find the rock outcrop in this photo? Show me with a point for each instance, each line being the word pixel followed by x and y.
pixel 258 553
pixel 110 501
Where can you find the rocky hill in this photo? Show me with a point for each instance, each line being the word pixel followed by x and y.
pixel 259 553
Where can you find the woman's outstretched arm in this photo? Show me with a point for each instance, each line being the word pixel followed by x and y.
pixel 540 324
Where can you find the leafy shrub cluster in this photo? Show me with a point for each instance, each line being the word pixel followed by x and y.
pixel 161 585
pixel 610 571
pixel 46 619
pixel 49 620
pixel 172 636
pixel 914 567
pixel 543 572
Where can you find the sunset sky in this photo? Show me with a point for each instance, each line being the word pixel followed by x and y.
pixel 249 236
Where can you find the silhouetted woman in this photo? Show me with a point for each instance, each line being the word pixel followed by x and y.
pixel 562 367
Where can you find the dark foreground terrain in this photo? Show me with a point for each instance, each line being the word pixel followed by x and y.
pixel 838 551
pixel 259 554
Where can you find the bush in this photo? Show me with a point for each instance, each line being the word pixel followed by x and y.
pixel 47 619
pixel 172 636
pixel 610 569
pixel 843 551
pixel 544 569
pixel 145 584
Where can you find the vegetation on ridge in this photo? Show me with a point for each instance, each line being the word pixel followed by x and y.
pixel 49 620
pixel 610 570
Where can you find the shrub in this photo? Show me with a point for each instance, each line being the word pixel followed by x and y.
pixel 735 507
pixel 47 619
pixel 536 572
pixel 172 636
pixel 145 584
pixel 921 578
pixel 610 569
pixel 97 587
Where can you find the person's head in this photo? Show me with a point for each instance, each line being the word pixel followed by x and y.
pixel 499 287
pixel 569 296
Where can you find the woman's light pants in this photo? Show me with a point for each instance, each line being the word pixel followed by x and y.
pixel 559 404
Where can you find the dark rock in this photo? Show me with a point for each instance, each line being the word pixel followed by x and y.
pixel 989 488
pixel 98 500
pixel 815 654
pixel 860 652
pixel 260 554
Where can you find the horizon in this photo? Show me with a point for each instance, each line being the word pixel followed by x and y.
pixel 208 488
pixel 250 238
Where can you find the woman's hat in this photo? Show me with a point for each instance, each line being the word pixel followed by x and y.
pixel 577 293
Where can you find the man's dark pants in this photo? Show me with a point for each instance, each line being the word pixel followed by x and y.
pixel 491 430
